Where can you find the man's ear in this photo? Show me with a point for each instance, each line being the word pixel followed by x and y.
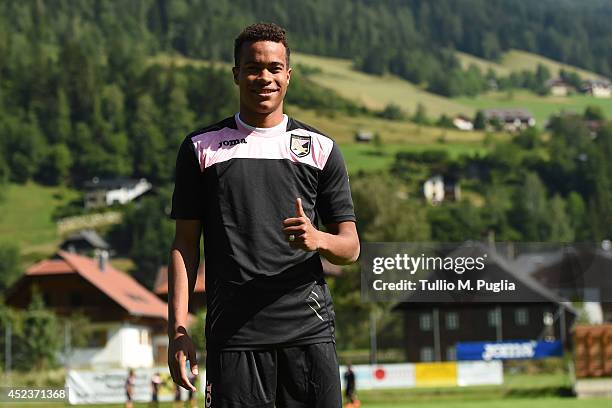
pixel 236 72
pixel 289 71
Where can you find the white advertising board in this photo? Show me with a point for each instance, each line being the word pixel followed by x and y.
pixel 381 376
pixel 108 386
pixel 480 373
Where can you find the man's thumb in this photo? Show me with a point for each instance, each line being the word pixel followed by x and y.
pixel 298 208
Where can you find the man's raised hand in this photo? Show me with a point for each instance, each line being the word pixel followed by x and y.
pixel 299 231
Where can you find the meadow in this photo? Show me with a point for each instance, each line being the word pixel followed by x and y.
pixel 376 92
pixel 25 215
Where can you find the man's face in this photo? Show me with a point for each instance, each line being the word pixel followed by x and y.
pixel 263 76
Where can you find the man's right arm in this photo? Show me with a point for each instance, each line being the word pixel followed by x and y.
pixel 182 275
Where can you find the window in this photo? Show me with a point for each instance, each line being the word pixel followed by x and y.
pixel 494 318
pixel 425 321
pixel 451 353
pixel 521 316
pixel 452 320
pixel 144 337
pixel 427 354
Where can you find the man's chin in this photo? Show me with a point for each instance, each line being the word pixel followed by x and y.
pixel 264 108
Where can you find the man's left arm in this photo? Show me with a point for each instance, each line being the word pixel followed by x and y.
pixel 340 244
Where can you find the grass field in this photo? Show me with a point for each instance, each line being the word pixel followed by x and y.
pixel 554 402
pixel 365 157
pixel 545 390
pixel 516 60
pixel 540 106
pixel 25 216
pixel 484 65
pixel 373 91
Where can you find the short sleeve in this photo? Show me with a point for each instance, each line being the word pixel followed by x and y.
pixel 187 201
pixel 334 202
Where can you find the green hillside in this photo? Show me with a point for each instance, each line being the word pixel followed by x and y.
pixel 516 60
pixel 25 216
pixel 484 65
pixel 373 91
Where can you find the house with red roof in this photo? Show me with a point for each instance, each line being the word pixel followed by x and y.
pixel 128 322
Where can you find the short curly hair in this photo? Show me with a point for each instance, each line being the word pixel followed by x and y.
pixel 260 32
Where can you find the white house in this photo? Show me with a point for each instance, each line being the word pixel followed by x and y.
pixel 106 192
pixel 437 189
pixel 463 123
pixel 599 88
pixel 558 87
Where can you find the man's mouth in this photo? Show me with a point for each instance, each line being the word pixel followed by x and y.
pixel 265 91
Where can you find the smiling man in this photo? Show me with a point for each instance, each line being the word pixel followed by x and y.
pixel 256 186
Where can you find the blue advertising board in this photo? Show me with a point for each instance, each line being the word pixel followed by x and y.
pixel 508 350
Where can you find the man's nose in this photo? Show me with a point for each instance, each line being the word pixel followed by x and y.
pixel 264 76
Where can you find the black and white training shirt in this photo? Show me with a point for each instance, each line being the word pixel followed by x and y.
pixel 242 182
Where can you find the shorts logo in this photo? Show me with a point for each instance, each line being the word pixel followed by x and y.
pixel 300 145
pixel 208 400
pixel 230 143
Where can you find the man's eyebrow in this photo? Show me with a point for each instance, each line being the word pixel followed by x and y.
pixel 272 64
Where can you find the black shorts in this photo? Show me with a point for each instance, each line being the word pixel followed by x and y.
pixel 290 377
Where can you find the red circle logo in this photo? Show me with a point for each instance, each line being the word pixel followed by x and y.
pixel 379 373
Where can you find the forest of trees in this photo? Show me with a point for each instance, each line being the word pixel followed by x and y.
pixel 411 38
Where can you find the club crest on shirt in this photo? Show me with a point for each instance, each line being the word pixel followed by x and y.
pixel 300 145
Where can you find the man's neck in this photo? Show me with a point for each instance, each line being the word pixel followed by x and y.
pixel 262 120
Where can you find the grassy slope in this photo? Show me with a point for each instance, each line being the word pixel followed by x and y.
pixel 516 60
pixel 25 216
pixel 373 91
pixel 484 65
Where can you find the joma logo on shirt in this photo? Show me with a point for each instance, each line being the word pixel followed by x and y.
pixel 233 142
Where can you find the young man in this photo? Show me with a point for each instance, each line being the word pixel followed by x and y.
pixel 256 186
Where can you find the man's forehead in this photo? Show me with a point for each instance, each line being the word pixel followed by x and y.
pixel 266 52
